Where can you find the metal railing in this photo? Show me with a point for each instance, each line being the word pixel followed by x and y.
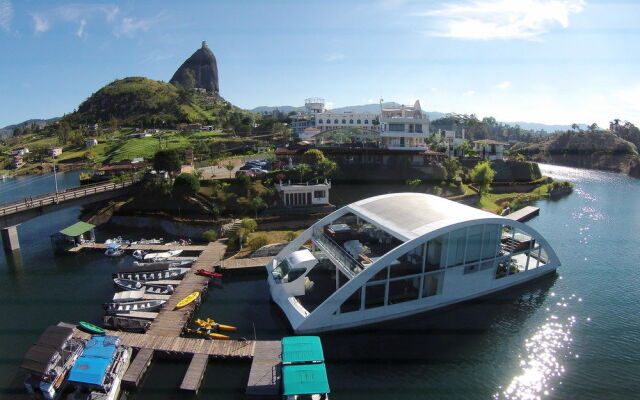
pixel 55 198
pixel 338 254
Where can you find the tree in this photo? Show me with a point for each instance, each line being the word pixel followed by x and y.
pixel 482 175
pixel 229 166
pixel 302 169
pixel 257 204
pixel 326 167
pixel 451 166
pixel 185 185
pixel 167 160
pixel 313 158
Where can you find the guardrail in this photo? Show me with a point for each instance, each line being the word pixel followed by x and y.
pixel 55 198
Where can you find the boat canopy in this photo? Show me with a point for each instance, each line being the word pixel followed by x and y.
pixel 304 379
pixel 77 229
pixel 49 343
pixel 94 362
pixel 302 349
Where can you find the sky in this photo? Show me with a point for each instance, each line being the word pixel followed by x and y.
pixel 546 61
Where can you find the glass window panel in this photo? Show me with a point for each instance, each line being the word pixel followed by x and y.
pixel 455 247
pixel 374 295
pixel 434 254
pixel 431 285
pixel 352 303
pixel 402 290
pixel 409 264
pixel 490 241
pixel 380 275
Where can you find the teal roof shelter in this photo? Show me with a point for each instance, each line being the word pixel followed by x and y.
pixel 304 379
pixel 302 349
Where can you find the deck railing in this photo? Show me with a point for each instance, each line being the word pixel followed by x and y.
pixel 345 261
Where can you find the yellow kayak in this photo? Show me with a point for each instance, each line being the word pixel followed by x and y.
pixel 207 333
pixel 188 300
pixel 211 324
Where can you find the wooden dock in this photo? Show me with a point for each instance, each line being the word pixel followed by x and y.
pixel 195 373
pixel 143 247
pixel 138 367
pixel 264 378
pixel 171 322
pixel 524 214
pixel 246 264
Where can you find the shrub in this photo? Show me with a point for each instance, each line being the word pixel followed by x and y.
pixel 290 235
pixel 249 224
pixel 185 185
pixel 210 235
pixel 258 241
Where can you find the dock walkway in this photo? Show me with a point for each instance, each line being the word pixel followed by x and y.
pixel 144 247
pixel 138 367
pixel 171 322
pixel 264 378
pixel 195 373
pixel 256 263
pixel 524 214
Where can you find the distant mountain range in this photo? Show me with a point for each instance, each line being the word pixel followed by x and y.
pixel 433 115
pixel 7 131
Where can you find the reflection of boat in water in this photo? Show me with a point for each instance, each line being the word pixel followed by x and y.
pixel 98 372
pixel 49 361
pixel 401 254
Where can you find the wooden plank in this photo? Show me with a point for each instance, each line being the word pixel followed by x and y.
pixel 195 373
pixel 524 214
pixel 138 367
pixel 264 378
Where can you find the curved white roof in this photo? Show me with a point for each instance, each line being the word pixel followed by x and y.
pixel 410 215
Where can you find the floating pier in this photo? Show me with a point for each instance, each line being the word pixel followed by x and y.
pixel 245 264
pixel 264 378
pixel 138 367
pixel 524 214
pixel 195 373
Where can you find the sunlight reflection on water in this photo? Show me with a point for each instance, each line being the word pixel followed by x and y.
pixel 544 352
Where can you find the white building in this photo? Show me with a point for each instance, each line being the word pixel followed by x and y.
pixel 330 121
pixel 400 254
pixel 314 105
pixel 404 128
pixel 451 138
pixel 54 151
pixel 489 149
pixel 303 195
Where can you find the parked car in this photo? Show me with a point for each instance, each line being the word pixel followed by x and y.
pixel 250 174
pixel 246 167
pixel 259 171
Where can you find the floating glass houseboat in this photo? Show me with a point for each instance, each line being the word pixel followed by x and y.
pixel 399 254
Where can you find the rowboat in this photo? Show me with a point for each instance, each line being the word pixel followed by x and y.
pixel 213 325
pixel 204 272
pixel 158 265
pixel 90 328
pixel 143 305
pixel 171 273
pixel 149 241
pixel 188 300
pixel 161 256
pixel 207 333
pixel 152 288
pixel 128 295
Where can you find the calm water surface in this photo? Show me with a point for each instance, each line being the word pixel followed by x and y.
pixel 570 336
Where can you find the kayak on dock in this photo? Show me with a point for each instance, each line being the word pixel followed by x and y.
pixel 188 300
pixel 91 328
pixel 204 272
pixel 200 331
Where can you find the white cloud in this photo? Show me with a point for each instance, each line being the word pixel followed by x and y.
pixel 40 23
pixel 6 14
pixel 334 57
pixel 80 32
pixel 504 85
pixel 469 93
pixel 503 19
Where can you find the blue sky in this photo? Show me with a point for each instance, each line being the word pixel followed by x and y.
pixel 549 61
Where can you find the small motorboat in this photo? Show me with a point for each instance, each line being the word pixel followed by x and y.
pixel 188 300
pixel 126 307
pixel 207 333
pixel 128 295
pixel 156 265
pixel 113 252
pixel 171 273
pixel 91 328
pixel 149 241
pixel 158 289
pixel 204 272
pixel 128 284
pixel 117 240
pixel 139 254
pixel 165 255
pixel 213 325
pixel 151 288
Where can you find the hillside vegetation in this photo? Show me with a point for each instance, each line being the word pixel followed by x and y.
pixel 579 142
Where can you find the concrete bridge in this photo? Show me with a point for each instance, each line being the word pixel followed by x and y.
pixel 14 213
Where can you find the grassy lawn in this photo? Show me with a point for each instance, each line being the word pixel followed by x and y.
pixel 494 202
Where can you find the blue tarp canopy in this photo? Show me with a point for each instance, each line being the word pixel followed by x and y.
pixel 302 349
pixel 92 365
pixel 304 379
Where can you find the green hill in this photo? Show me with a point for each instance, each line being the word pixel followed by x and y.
pixel 579 142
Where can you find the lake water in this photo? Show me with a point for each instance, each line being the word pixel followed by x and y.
pixel 569 336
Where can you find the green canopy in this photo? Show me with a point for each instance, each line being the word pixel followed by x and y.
pixel 301 349
pixel 77 229
pixel 304 379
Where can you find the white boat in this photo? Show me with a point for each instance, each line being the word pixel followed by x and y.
pixel 416 253
pixel 161 256
pixel 98 372
pixel 171 274
pixel 163 264
pixel 114 252
pixel 149 241
pixel 49 360
pixel 139 254
pixel 130 306
pixel 128 295
pixel 117 240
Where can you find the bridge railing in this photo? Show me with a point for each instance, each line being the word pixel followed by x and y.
pixel 55 198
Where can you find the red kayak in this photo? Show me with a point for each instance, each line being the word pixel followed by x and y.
pixel 210 274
